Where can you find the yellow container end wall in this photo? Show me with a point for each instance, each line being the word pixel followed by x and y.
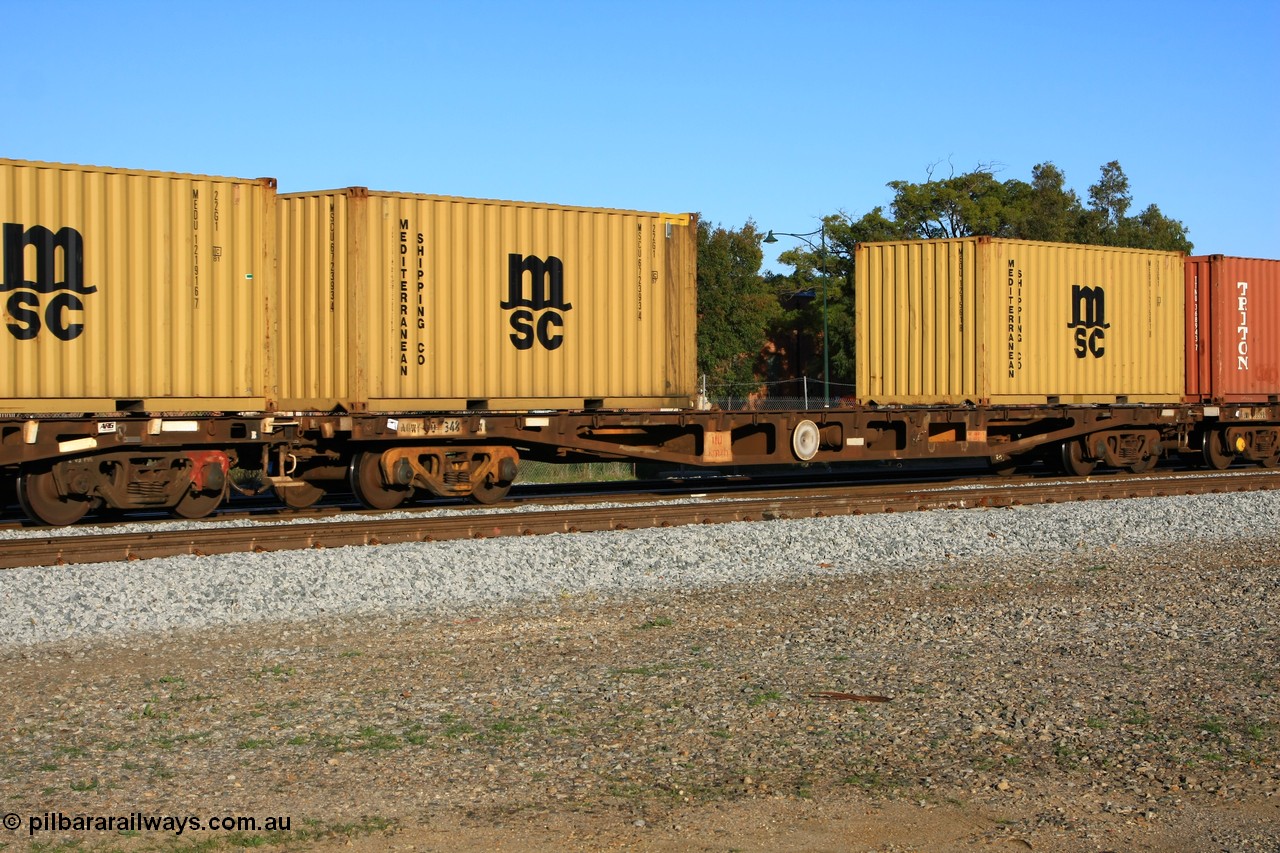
pixel 316 313
pixel 455 302
pixel 982 320
pixel 124 286
pixel 916 310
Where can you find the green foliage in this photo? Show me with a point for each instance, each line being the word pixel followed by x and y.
pixel 958 206
pixel 1044 209
pixel 735 305
pixel 976 204
pixel 823 281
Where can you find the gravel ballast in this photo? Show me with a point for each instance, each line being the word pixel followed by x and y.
pixel 41 605
pixel 1093 676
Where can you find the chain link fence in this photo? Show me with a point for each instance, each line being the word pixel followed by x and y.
pixel 575 472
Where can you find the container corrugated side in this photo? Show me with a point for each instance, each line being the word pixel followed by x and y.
pixel 1008 322
pixel 435 302
pixel 134 290
pixel 1233 329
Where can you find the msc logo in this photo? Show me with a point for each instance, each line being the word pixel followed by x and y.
pixel 545 294
pixel 1088 318
pixel 24 302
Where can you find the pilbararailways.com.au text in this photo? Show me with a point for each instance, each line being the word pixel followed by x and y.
pixel 143 822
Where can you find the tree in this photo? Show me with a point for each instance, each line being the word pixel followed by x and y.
pixel 831 273
pixel 1044 209
pixel 735 305
pixel 1110 197
pixel 1108 224
pixel 957 206
pixel 1151 229
pixel 975 204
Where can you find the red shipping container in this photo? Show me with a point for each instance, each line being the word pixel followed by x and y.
pixel 1233 329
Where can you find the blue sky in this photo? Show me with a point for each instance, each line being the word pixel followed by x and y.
pixel 776 112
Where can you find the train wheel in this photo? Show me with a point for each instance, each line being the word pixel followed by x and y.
pixel 8 492
pixel 1147 463
pixel 490 493
pixel 38 496
pixel 1270 461
pixel 365 476
pixel 1215 452
pixel 1072 457
pixel 199 504
pixel 301 495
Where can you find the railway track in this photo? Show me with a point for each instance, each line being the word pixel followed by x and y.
pixel 696 508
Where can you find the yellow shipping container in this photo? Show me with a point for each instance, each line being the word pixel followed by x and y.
pixel 127 290
pixel 983 320
pixel 397 302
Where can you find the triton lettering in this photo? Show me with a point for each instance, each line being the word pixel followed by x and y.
pixel 1242 328
pixel 27 313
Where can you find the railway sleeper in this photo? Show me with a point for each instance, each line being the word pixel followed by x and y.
pixel 191 483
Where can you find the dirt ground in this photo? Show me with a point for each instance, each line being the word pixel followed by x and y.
pixel 836 823
pixel 1097 703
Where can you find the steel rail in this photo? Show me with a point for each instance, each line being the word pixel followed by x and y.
pixel 825 502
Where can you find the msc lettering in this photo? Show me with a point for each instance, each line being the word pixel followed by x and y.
pixel 24 301
pixel 546 294
pixel 1088 318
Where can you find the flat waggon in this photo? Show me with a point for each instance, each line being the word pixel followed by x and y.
pixel 164 329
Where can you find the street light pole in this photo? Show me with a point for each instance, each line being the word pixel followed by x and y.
pixel 822 268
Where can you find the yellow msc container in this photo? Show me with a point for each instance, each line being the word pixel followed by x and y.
pixel 126 290
pixel 989 321
pixel 395 302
